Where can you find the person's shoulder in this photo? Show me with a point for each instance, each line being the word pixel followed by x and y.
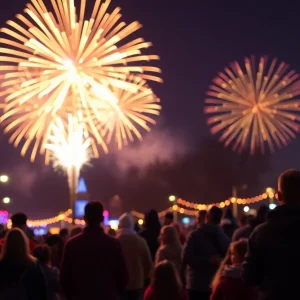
pixel 194 233
pixel 260 229
pixel 243 229
pixel 74 241
pixel 111 241
pixel 134 239
pixel 53 273
pixel 33 268
pixel 140 240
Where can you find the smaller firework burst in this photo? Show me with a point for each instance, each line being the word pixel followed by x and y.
pixel 255 104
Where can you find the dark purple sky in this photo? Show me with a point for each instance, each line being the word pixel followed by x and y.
pixel 195 39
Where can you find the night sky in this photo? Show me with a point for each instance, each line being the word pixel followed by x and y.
pixel 195 39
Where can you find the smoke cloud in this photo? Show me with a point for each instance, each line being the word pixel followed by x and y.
pixel 158 145
pixel 25 177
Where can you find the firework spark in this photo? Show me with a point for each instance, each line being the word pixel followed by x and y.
pixel 65 57
pixel 69 148
pixel 121 119
pixel 255 105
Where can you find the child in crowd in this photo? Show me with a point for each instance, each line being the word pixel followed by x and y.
pixel 227 283
pixel 165 284
pixel 43 255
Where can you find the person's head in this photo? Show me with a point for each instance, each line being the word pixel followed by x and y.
pixel 243 220
pixel 214 215
pixel 16 247
pixel 75 231
pixel 64 234
pixel 262 213
pixel 166 282
pixel 169 236
pixel 201 217
pixel 228 214
pixel 126 222
pixel 19 220
pixel 54 242
pixel 43 254
pixel 152 221
pixel 238 251
pixel 169 218
pixel 235 256
pixel 289 187
pixel 93 213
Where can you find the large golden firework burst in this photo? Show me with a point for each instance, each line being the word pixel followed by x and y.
pixel 255 104
pixel 65 57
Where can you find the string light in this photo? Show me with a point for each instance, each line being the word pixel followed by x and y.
pixel 195 207
pixel 223 204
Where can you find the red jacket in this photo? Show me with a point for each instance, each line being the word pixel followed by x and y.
pixel 232 289
pixel 150 294
pixel 93 267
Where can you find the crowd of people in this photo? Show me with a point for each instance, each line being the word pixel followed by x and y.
pixel 220 259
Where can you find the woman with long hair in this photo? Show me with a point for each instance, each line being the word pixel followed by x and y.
pixel 20 275
pixel 170 247
pixel 227 283
pixel 165 284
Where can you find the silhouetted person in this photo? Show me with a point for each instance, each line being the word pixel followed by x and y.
pixel 56 245
pixel 20 276
pixel 272 262
pixel 151 231
pixel 228 222
pixel 169 218
pixel 43 255
pixel 93 265
pixel 137 257
pixel 245 232
pixel 243 220
pixel 75 231
pixel 204 250
pixel 64 234
pixel 201 219
pixel 19 220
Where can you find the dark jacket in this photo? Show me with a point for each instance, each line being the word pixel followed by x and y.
pixel 52 277
pixel 232 287
pixel 245 232
pixel 29 279
pixel 151 232
pixel 93 267
pixel 272 262
pixel 203 243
